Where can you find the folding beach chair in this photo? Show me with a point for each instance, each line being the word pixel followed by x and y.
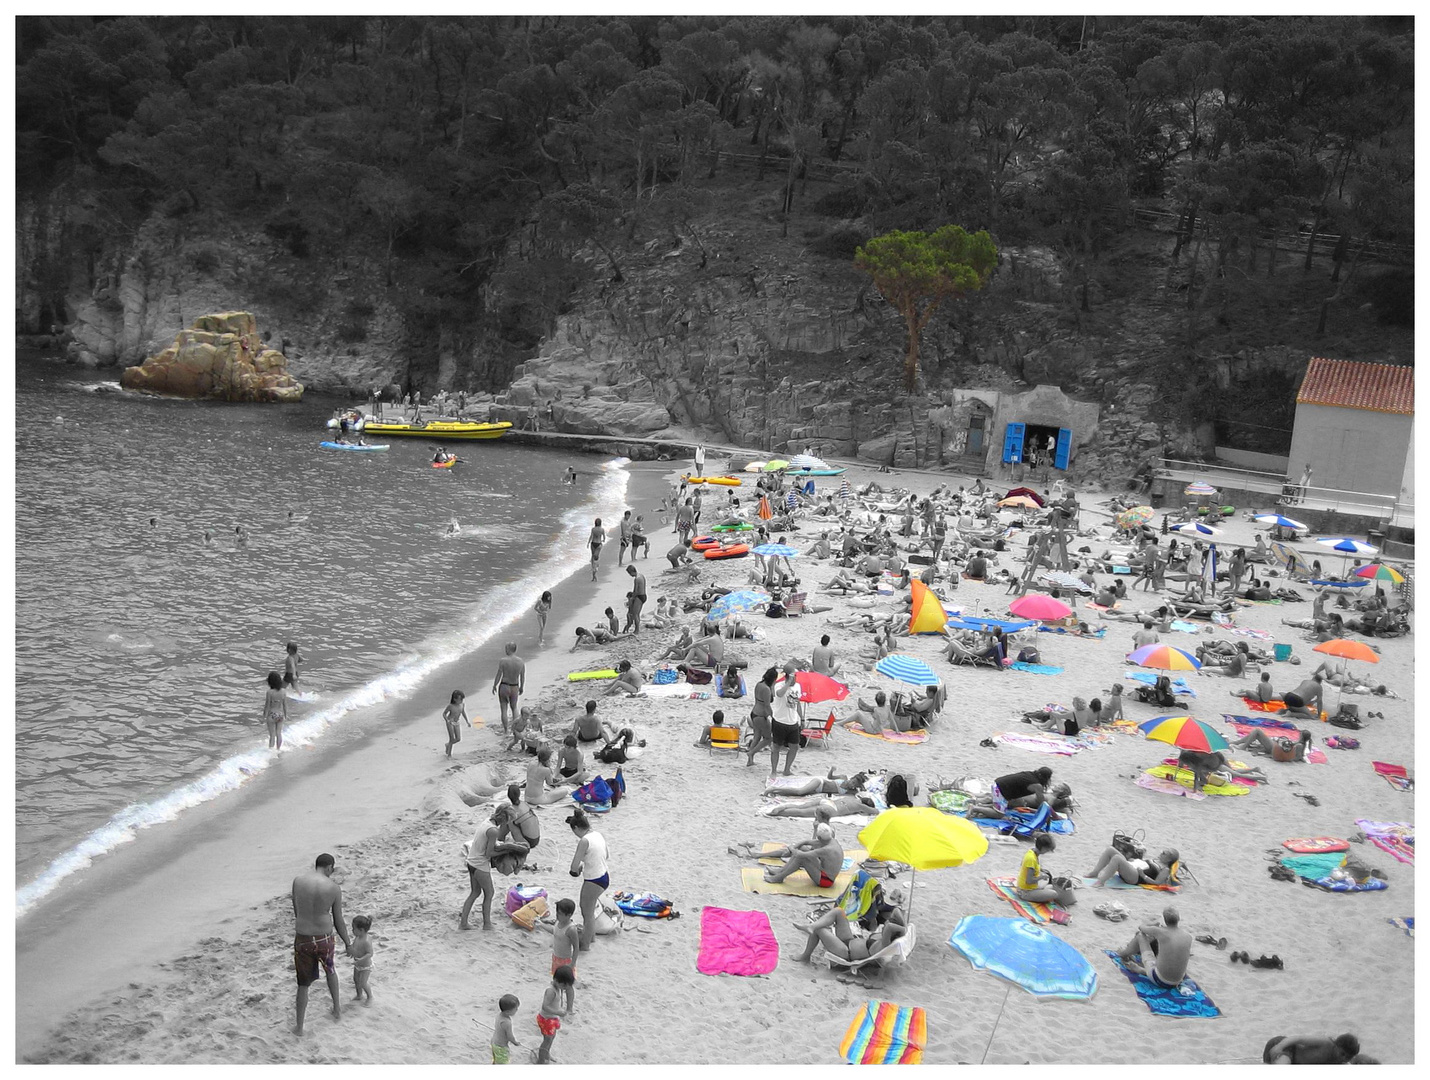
pixel 820 735
pixel 724 738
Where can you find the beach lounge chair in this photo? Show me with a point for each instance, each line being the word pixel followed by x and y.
pixel 1023 825
pixel 879 964
pixel 820 735
pixel 724 738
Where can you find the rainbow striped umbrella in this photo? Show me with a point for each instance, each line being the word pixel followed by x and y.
pixel 1165 657
pixel 1184 732
pixel 1381 572
pixel 886 1034
pixel 1201 487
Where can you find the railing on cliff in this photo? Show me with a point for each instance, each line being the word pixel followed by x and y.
pixel 1289 493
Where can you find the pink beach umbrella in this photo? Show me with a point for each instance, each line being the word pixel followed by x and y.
pixel 1040 606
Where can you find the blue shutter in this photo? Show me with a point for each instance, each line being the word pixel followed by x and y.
pixel 1013 442
pixel 1064 447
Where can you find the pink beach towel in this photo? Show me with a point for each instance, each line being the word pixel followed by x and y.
pixel 736 943
pixel 1314 756
pixel 1055 744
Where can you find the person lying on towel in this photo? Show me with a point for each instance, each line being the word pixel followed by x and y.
pixel 1214 767
pixel 1159 871
pixel 1160 952
pixel 1280 748
pixel 1311 1050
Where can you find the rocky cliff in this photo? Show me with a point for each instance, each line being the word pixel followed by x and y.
pixel 220 356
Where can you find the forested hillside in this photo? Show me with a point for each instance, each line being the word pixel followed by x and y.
pixel 424 183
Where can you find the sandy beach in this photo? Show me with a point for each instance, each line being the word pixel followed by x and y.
pixel 640 1000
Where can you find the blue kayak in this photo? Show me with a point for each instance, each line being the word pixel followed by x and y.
pixel 815 472
pixel 350 446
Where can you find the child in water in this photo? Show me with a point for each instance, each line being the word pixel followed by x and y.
pixel 361 952
pixel 291 666
pixel 275 710
pixel 456 710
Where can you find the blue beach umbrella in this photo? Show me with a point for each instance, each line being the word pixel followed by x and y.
pixel 776 549
pixel 1196 528
pixel 736 602
pixel 1347 545
pixel 907 669
pixel 1277 519
pixel 1041 963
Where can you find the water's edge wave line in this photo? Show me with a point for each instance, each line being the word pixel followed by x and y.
pixel 501 607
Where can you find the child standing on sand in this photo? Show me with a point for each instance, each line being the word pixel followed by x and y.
pixel 361 952
pixel 559 999
pixel 542 609
pixel 455 711
pixel 291 666
pixel 503 1037
pixel 565 938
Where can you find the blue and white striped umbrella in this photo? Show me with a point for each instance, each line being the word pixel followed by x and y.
pixel 736 602
pixel 1196 528
pixel 776 549
pixel 1277 519
pixel 907 669
pixel 807 461
pixel 1346 544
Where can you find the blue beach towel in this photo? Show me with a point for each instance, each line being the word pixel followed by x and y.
pixel 1186 999
pixel 1331 884
pixel 1035 669
pixel 1100 632
pixel 974 622
pixel 1314 865
pixel 1407 924
pixel 1185 627
pixel 1056 825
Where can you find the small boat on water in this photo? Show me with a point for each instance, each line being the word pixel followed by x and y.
pixel 361 448
pixel 438 429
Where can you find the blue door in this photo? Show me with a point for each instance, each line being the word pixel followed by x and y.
pixel 1013 443
pixel 1064 448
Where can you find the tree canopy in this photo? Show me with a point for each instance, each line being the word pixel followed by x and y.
pixel 916 272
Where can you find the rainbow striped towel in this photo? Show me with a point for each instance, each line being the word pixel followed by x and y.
pixel 886 1034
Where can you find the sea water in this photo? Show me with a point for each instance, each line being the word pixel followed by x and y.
pixel 142 649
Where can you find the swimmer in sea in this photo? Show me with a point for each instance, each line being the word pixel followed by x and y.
pixel 570 477
pixel 153 523
pixel 208 537
pixel 291 665
pixel 453 527
pixel 240 536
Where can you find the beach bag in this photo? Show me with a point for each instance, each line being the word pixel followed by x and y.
pixel 1029 655
pixel 1128 846
pixel 665 675
pixel 609 918
pixel 519 895
pixel 697 677
pixel 645 905
pixel 593 791
pixel 527 915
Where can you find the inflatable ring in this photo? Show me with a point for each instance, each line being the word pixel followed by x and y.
pixel 704 543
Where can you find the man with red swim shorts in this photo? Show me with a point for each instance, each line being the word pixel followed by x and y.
pixel 820 858
pixel 318 918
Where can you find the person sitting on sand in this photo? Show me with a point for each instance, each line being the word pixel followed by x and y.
pixel 821 858
pixel 1261 692
pixel 1280 748
pixel 822 660
pixel 735 628
pixel 1145 636
pixel 1031 876
pixel 1159 871
pixel 1160 952
pixel 569 765
pixel 845 939
pixel 588 727
pixel 1311 1050
pixel 876 718
pixel 630 679
pixel 820 549
pixel 708 651
pixel 1159 694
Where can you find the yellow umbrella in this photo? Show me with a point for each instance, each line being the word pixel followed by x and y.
pixel 923 837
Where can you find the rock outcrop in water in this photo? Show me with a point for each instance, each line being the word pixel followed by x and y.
pixel 220 356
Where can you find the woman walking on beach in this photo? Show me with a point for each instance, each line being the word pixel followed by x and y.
pixel 275 710
pixel 542 609
pixel 762 715
pixel 589 864
pixel 596 539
